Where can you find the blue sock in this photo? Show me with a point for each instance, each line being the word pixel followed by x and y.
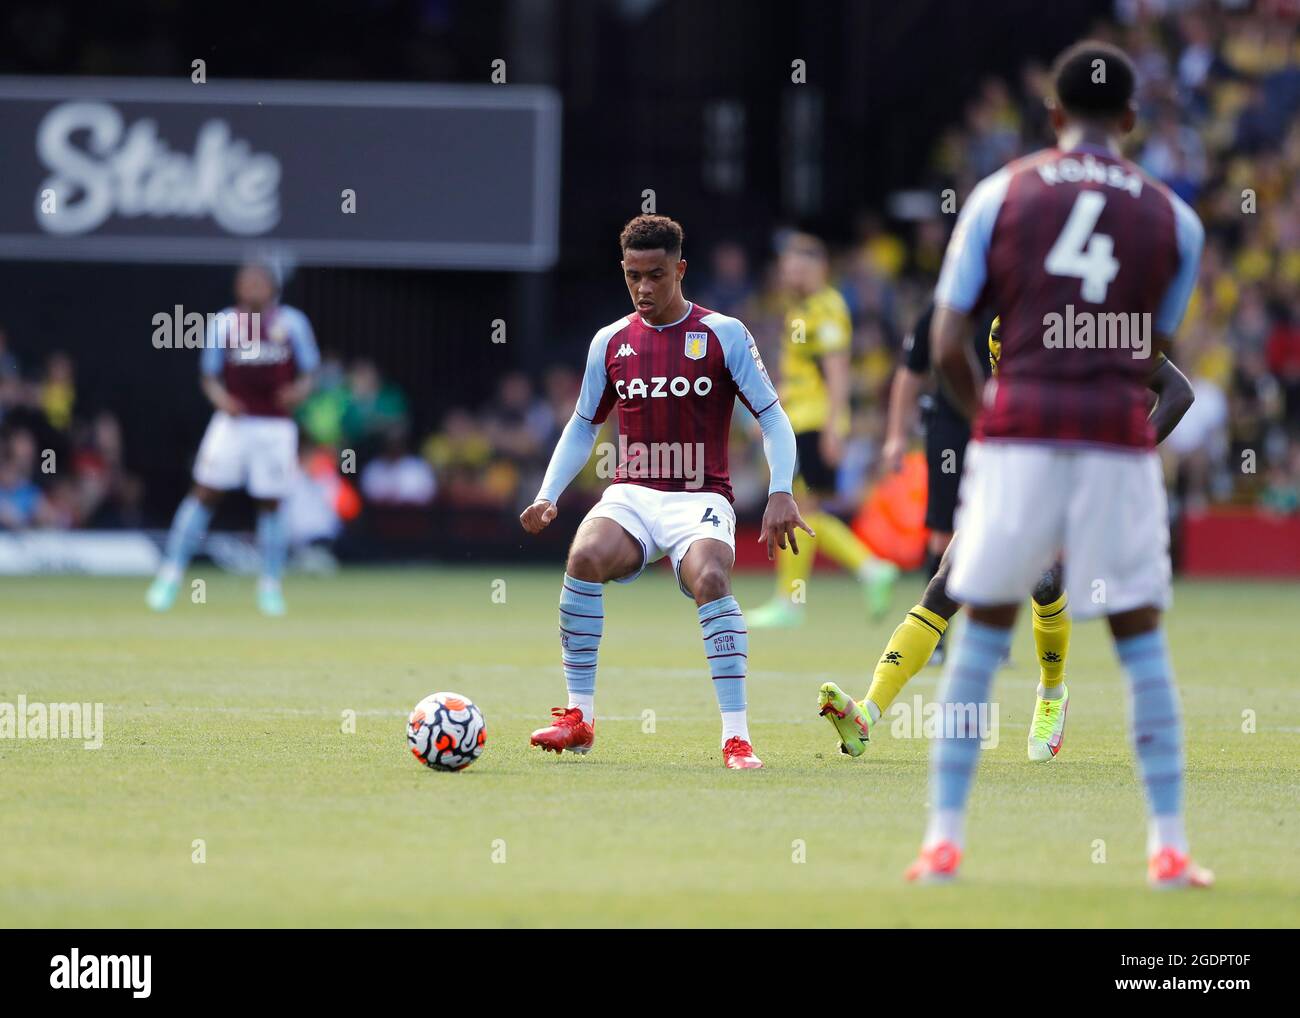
pixel 582 620
pixel 726 645
pixel 978 651
pixel 272 542
pixel 188 527
pixel 1157 731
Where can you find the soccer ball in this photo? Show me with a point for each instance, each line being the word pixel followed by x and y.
pixel 446 732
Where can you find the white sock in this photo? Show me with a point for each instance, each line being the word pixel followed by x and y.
pixel 585 703
pixel 1166 832
pixel 268 583
pixel 872 710
pixel 735 724
pixel 169 573
pixel 1053 693
pixel 945 825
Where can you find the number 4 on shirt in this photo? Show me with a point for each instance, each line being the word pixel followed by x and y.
pixel 1080 252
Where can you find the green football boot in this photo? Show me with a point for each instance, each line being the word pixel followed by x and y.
pixel 852 724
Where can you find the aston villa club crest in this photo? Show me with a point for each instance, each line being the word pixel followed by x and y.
pixel 697 344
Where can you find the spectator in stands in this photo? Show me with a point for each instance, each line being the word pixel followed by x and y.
pixel 321 416
pixel 397 477
pixel 374 405
pixel 730 286
pixel 22 504
pixel 470 474
pixel 106 493
pixel 58 391
pixel 1283 352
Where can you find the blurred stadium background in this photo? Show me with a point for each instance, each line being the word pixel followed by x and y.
pixel 412 295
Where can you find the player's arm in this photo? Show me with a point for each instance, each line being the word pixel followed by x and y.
pixel 954 359
pixel 210 362
pixel 905 394
pixel 576 441
pixel 1174 396
pixel 961 283
pixel 1173 391
pixel 781 517
pixel 307 357
pixel 904 397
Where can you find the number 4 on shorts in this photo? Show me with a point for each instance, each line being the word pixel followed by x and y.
pixel 711 517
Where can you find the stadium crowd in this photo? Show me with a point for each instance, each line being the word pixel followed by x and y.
pixel 57 468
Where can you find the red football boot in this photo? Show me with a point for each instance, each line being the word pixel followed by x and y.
pixel 569 731
pixel 738 755
pixel 1172 868
pixel 936 864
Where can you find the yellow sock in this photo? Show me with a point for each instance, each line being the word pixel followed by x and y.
pixel 1052 639
pixel 792 571
pixel 838 541
pixel 909 649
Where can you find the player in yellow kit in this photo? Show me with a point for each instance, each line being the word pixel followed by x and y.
pixel 814 388
pixel 913 642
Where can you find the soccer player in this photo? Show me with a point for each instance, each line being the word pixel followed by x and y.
pixel 946 435
pixel 257 364
pixel 673 370
pixel 815 393
pixel 1090 264
pixel 916 639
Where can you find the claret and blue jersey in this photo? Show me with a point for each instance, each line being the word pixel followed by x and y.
pixel 1065 233
pixel 676 384
pixel 254 373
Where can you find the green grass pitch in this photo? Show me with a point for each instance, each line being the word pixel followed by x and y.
pixel 225 727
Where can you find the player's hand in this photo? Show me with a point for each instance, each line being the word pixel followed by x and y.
pixel 831 447
pixel 292 394
pixel 228 404
pixel 779 522
pixel 538 516
pixel 891 455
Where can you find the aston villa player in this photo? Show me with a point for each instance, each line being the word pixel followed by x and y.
pixel 673 371
pixel 1062 462
pixel 254 380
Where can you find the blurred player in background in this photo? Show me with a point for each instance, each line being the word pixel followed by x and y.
pixel 673 370
pixel 920 634
pixel 1062 462
pixel 255 371
pixel 814 389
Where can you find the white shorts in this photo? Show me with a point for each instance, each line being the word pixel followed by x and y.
pixel 1103 512
pixel 256 453
pixel 667 522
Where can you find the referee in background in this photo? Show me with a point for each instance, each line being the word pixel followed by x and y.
pixel 946 435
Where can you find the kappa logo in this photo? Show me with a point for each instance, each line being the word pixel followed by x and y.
pixel 625 351
pixel 697 345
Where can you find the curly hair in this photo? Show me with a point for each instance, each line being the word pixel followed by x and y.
pixel 649 233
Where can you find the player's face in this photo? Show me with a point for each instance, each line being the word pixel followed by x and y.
pixel 253 289
pixel 653 280
pixel 799 271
